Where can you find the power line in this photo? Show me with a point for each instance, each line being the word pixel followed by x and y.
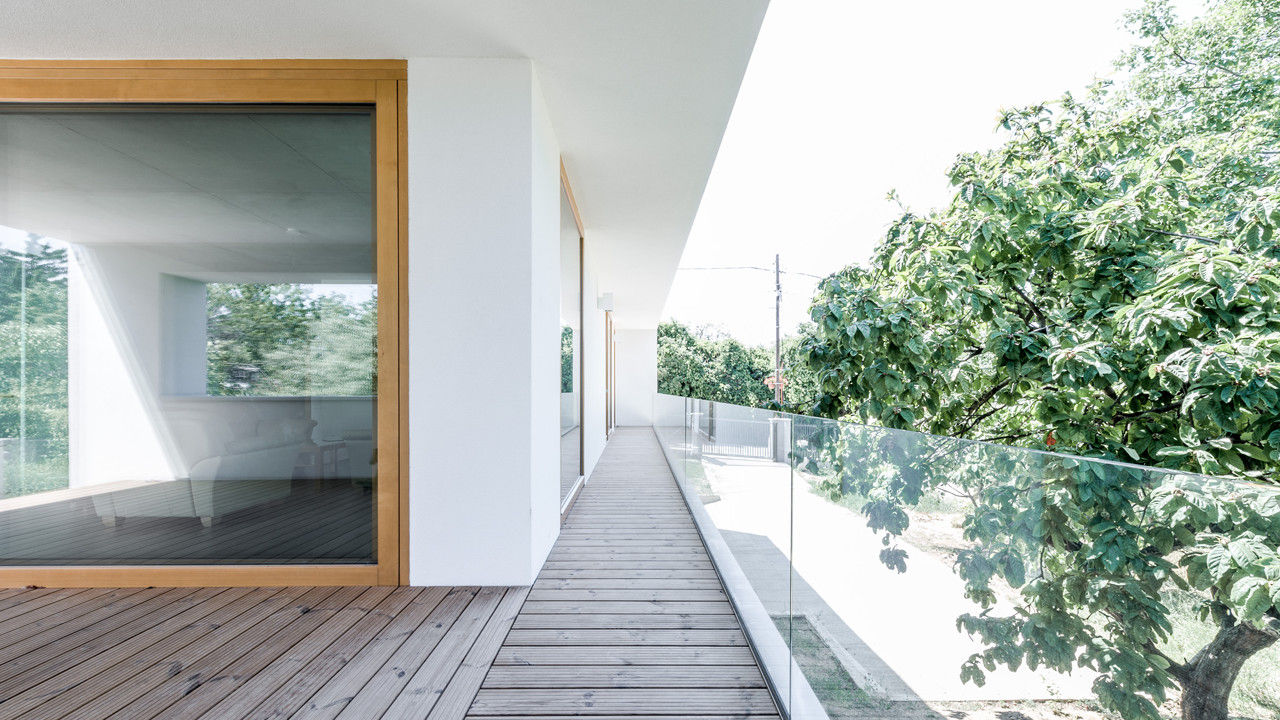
pixel 752 268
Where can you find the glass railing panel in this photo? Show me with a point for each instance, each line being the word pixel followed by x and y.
pixel 937 577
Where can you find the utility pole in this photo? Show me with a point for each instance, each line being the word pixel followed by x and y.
pixel 777 329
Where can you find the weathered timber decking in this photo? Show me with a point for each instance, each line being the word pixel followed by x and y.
pixel 627 618
pixel 351 652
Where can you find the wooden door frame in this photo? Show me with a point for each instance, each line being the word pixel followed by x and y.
pixel 378 83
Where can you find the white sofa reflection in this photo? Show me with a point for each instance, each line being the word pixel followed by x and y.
pixel 245 452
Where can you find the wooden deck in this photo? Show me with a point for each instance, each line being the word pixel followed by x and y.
pixel 626 619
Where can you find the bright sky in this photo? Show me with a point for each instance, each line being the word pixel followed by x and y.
pixel 844 101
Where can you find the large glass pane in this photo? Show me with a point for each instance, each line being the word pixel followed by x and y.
pixel 188 313
pixel 570 351
pixel 911 575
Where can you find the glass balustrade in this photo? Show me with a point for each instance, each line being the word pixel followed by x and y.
pixel 910 575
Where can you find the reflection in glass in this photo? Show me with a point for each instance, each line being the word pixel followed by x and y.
pixel 570 351
pixel 912 575
pixel 187 336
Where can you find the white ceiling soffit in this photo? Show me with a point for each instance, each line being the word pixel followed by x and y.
pixel 639 91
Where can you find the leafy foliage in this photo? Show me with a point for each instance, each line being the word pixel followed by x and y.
pixel 33 363
pixel 284 339
pixel 566 359
pixel 699 364
pixel 1107 279
pixel 1106 283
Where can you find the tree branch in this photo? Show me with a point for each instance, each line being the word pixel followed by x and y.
pixel 1187 61
pixel 1044 323
pixel 1184 235
pixel 1012 436
pixel 983 400
pixel 1138 413
pixel 1176 669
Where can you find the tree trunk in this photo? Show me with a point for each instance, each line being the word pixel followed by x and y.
pixel 1212 673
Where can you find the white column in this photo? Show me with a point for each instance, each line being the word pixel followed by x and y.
pixel 637 375
pixel 593 364
pixel 484 332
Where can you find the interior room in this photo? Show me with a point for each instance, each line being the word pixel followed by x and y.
pixel 205 280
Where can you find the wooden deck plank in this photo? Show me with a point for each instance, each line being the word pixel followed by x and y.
pixel 242 670
pixel 198 676
pixel 414 634
pixel 628 595
pixel 158 667
pixel 629 717
pixel 685 703
pixel 36 661
pixel 702 638
pixel 624 655
pixel 367 614
pixel 376 629
pixel 638 621
pixel 708 676
pixel 424 669
pixel 628 617
pixel 68 670
pixel 631 607
pixel 658 583
pixel 461 689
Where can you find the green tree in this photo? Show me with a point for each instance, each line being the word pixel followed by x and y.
pixel 33 365
pixel 246 323
pixel 699 364
pixel 336 358
pixel 800 392
pixel 566 359
pixel 1106 283
pixel 285 339
pixel 710 366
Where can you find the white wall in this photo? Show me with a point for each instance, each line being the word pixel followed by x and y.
pixel 593 354
pixel 637 375
pixel 544 321
pixel 483 323
pixel 117 431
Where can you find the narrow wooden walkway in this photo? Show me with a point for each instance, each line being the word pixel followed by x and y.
pixel 627 618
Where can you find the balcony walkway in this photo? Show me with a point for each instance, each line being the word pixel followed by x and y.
pixel 626 619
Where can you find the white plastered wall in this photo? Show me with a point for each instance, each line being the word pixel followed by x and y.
pixel 593 354
pixel 637 375
pixel 483 321
pixel 114 297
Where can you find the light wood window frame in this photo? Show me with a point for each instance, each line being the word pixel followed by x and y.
pixel 567 188
pixel 379 83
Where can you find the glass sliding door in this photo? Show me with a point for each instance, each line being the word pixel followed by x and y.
pixel 570 351
pixel 188 335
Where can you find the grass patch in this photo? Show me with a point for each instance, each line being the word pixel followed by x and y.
pixel 1256 693
pixel 34 476
pixel 836 690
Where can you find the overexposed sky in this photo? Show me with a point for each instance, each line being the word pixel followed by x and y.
pixel 844 101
